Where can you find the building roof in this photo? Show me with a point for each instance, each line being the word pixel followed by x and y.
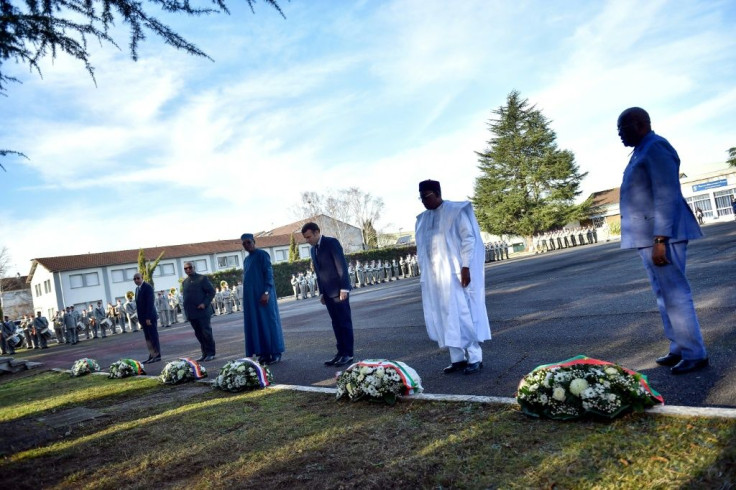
pixel 102 259
pixel 296 227
pixel 13 283
pixel 604 198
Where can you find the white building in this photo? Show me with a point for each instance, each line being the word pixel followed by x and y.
pixel 711 192
pixel 79 280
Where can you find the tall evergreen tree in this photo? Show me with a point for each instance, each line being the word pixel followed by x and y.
pixel 732 156
pixel 293 250
pixel 146 267
pixel 527 184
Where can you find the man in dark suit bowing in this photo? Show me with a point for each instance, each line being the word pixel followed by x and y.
pixel 147 317
pixel 334 286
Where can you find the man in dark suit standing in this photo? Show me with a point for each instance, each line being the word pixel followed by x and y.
pixel 198 294
pixel 147 317
pixel 334 286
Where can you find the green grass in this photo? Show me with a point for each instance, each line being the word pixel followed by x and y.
pixel 190 436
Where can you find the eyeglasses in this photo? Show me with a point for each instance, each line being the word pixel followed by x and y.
pixel 422 197
pixel 187 268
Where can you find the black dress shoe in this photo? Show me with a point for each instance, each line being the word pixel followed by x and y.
pixel 275 359
pixel 455 366
pixel 669 360
pixel 473 367
pixel 155 359
pixel 147 360
pixel 263 360
pixel 208 358
pixel 343 361
pixel 332 361
pixel 687 365
pixel 202 358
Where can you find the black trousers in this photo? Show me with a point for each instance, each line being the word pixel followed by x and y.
pixel 150 332
pixel 342 324
pixel 203 332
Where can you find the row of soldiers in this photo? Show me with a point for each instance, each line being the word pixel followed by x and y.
pixel 496 251
pixel 377 271
pixel 304 285
pixel 227 300
pixel 96 321
pixel 564 238
pixel 168 307
pixel 34 333
pixel 364 274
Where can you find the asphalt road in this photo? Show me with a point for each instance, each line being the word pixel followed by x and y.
pixel 593 300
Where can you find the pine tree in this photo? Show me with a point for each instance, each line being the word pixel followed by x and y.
pixel 293 250
pixel 527 185
pixel 731 157
pixel 146 268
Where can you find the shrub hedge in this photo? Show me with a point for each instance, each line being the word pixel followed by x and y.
pixel 283 270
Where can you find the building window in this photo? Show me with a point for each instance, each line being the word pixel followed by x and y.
pixel 228 261
pixel 123 275
pixel 84 280
pixel 164 270
pixel 723 202
pixel 701 201
pixel 38 289
pixel 281 255
pixel 47 285
pixel 199 265
pixel 599 221
pixel 304 252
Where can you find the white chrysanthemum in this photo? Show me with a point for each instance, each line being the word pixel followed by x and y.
pixel 577 386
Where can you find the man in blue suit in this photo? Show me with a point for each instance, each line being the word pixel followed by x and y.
pixel 147 317
pixel 333 281
pixel 656 220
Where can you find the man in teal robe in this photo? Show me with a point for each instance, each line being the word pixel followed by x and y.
pixel 261 320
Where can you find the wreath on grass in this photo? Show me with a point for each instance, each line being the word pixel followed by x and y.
pixel 243 374
pixel 582 386
pixel 182 370
pixel 125 368
pixel 84 366
pixel 378 380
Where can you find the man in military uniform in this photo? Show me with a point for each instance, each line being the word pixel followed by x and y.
pixel 360 274
pixel 131 312
pixel 120 315
pixel 173 306
pixel 351 275
pixel 7 331
pixel 85 319
pixel 295 286
pixel 71 327
pixel 41 327
pixel 227 305
pixel 162 308
pixel 59 327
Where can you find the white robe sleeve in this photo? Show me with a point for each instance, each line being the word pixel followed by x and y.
pixel 467 240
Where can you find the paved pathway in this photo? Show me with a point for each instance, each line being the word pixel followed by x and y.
pixel 592 300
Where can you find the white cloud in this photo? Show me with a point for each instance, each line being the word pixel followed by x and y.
pixel 374 95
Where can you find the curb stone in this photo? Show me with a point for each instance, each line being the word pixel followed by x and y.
pixel 666 410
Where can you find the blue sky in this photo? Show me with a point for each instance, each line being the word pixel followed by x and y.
pixel 374 94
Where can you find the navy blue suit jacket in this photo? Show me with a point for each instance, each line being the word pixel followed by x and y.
pixel 144 303
pixel 331 267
